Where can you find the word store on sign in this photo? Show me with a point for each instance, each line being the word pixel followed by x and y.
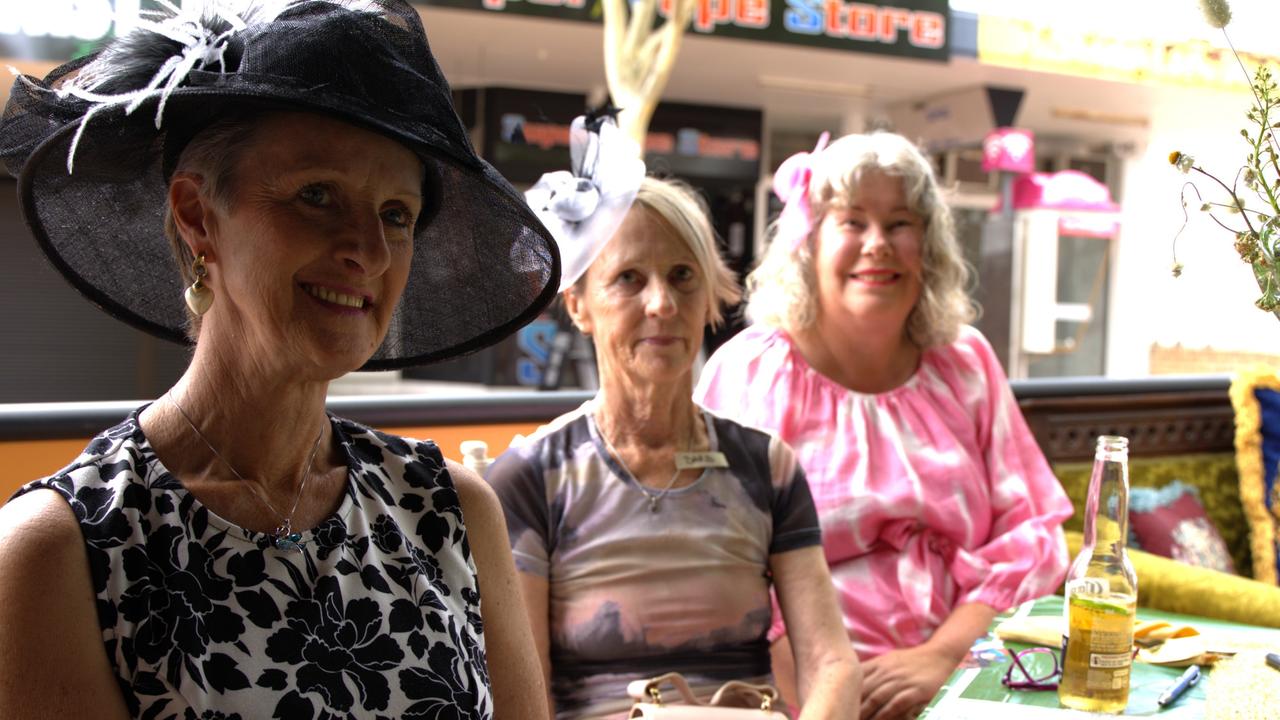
pixel 861 21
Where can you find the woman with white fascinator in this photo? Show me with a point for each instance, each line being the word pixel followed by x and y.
pixel 287 188
pixel 648 532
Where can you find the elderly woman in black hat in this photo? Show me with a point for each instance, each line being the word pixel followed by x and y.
pixel 231 550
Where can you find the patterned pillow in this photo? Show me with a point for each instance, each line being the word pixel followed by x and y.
pixel 1213 475
pixel 1170 521
pixel 1255 395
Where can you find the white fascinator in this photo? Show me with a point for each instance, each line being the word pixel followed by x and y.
pixel 584 206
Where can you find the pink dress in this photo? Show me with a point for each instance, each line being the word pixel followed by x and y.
pixel 930 495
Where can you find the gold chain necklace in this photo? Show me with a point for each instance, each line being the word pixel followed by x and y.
pixel 284 537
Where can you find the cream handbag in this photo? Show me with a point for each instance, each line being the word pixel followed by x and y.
pixel 734 700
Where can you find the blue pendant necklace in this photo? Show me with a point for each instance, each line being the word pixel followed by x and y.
pixel 284 538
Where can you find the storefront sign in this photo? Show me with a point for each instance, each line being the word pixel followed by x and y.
pixel 1027 45
pixel 63 29
pixel 688 141
pixel 909 28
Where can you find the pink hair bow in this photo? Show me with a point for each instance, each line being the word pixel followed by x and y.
pixel 791 185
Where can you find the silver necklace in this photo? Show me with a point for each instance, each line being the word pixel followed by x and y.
pixel 284 537
pixel 652 496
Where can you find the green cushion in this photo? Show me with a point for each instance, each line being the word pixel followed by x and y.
pixel 1213 474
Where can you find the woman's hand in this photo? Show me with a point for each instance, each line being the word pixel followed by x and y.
pixel 900 683
pixel 828 677
pixel 519 691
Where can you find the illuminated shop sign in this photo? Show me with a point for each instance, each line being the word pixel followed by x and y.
pixel 64 29
pixel 688 141
pixel 911 28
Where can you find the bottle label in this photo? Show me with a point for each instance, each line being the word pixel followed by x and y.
pixel 1088 586
pixel 1110 660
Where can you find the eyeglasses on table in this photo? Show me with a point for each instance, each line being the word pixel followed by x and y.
pixel 1035 668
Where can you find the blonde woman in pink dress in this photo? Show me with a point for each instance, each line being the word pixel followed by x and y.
pixel 937 508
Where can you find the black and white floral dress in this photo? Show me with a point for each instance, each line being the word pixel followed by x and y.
pixel 378 615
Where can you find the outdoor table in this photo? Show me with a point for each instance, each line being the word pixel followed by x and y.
pixel 977 692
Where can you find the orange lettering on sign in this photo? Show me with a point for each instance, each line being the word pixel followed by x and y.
pixel 753 13
pixel 833 17
pixel 546 135
pixel 660 143
pixel 929 30
pixel 710 13
pixel 740 148
pixel 891 20
pixel 862 21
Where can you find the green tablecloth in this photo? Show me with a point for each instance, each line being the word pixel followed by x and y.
pixel 971 692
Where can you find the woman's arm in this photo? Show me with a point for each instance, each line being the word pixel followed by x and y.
pixel 52 660
pixel 535 591
pixel 519 692
pixel 900 683
pixel 1024 555
pixel 828 676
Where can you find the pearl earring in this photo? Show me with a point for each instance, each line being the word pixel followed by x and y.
pixel 198 296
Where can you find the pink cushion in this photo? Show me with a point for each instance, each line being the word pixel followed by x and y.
pixel 1170 521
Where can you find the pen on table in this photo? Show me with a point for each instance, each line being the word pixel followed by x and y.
pixel 1273 659
pixel 1188 678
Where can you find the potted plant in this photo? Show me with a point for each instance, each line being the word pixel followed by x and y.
pixel 1249 206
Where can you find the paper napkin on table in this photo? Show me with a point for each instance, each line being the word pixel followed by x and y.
pixel 1160 642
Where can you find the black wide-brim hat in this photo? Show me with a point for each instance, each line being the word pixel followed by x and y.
pixel 483 265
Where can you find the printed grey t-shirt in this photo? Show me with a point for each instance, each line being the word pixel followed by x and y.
pixel 635 592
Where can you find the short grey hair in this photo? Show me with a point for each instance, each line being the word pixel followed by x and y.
pixel 684 211
pixel 213 155
pixel 782 291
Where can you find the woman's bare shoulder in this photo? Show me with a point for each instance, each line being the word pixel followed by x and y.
pixel 479 501
pixel 34 527
pixel 52 661
pixel 41 546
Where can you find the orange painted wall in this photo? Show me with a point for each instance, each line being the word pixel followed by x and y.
pixel 25 460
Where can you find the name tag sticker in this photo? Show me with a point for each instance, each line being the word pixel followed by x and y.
pixel 692 460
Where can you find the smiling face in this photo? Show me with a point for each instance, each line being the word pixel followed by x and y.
pixel 868 258
pixel 644 302
pixel 309 257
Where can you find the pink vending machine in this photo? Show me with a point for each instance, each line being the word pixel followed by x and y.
pixel 1064 229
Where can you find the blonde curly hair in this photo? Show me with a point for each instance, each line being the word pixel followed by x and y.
pixel 782 291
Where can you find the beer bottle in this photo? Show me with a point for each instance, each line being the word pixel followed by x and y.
pixel 1101 592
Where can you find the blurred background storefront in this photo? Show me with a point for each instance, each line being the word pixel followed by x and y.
pixel 1106 91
